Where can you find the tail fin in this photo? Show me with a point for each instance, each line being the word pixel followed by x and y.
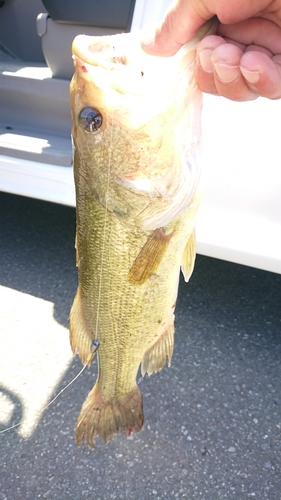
pixel 106 417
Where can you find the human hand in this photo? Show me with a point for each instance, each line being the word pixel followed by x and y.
pixel 243 60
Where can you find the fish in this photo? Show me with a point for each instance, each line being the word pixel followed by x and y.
pixel 136 137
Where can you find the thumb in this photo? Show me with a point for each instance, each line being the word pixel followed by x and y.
pixel 179 25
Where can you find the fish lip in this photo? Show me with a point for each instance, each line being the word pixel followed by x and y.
pixel 80 64
pixel 80 49
pixel 83 57
pixel 101 51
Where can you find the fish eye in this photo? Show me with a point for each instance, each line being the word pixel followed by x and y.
pixel 90 119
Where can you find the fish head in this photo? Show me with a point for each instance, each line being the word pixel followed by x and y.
pixel 136 126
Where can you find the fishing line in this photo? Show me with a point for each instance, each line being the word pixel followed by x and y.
pixel 50 402
pixel 94 347
pixel 105 223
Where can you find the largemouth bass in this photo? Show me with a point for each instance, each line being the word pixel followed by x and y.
pixel 136 134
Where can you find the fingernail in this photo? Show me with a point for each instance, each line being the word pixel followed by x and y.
pixel 225 72
pixel 250 76
pixel 205 60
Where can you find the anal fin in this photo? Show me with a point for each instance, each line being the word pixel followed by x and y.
pixel 155 357
pixel 80 336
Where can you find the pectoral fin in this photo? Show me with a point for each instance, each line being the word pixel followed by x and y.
pixel 149 257
pixel 189 255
